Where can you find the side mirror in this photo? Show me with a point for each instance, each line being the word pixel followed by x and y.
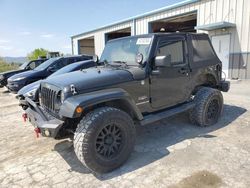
pixel 51 69
pixel 163 61
pixel 95 58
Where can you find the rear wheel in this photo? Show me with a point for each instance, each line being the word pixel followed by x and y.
pixel 208 107
pixel 104 139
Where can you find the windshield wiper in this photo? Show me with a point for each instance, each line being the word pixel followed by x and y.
pixel 104 62
pixel 120 62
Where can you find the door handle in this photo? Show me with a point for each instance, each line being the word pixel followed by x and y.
pixel 183 71
pixel 155 72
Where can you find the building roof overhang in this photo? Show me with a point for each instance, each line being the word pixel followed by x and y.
pixel 215 26
pixel 166 8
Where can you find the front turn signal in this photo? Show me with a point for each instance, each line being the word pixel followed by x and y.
pixel 79 110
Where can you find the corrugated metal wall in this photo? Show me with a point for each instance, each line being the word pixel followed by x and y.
pixel 99 37
pixel 234 11
pixel 208 11
pixel 142 24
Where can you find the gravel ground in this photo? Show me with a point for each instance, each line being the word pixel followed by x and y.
pixel 171 153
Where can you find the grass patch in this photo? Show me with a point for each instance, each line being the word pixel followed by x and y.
pixel 6 66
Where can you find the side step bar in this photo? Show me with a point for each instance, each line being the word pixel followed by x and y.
pixel 148 119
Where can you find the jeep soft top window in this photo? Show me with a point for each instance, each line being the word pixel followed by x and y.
pixel 202 49
pixel 46 64
pixel 126 50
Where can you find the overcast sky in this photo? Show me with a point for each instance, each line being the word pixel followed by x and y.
pixel 29 24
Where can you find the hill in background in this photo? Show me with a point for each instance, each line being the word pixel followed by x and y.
pixel 18 60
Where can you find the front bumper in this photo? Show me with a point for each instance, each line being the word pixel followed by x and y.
pixel 22 101
pixel 14 87
pixel 3 83
pixel 224 86
pixel 49 126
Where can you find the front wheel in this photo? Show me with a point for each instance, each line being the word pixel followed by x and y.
pixel 104 139
pixel 208 107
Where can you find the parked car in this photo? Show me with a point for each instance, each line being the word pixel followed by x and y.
pixel 31 89
pixel 145 79
pixel 24 67
pixel 18 81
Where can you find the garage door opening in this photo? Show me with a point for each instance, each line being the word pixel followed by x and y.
pixel 184 23
pixel 87 46
pixel 118 34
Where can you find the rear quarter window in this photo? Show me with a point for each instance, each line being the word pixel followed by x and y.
pixel 202 49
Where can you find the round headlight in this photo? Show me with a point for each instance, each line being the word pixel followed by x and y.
pixel 1 77
pixel 139 58
pixel 31 93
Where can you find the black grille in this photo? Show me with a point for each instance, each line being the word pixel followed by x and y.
pixel 48 98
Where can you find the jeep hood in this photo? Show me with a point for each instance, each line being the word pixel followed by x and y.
pixel 91 79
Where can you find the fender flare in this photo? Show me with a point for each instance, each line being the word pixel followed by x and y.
pixel 97 97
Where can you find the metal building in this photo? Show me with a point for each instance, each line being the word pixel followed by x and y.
pixel 226 21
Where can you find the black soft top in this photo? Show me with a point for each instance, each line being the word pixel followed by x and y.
pixel 201 51
pixel 199 35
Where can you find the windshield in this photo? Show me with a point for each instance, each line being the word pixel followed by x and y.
pixel 66 69
pixel 126 49
pixel 46 64
pixel 23 65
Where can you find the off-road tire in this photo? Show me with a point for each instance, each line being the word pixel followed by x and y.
pixel 207 101
pixel 87 134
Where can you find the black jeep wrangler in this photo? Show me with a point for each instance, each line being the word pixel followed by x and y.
pixel 144 79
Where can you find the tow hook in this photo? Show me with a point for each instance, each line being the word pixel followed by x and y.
pixel 37 132
pixel 25 116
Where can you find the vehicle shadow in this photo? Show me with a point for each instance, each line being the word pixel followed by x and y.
pixel 153 141
pixel 6 91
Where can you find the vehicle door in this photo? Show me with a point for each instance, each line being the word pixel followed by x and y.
pixel 170 75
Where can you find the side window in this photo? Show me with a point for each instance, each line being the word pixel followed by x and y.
pixel 173 50
pixel 32 65
pixel 60 64
pixel 83 58
pixel 80 59
pixel 38 63
pixel 72 60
